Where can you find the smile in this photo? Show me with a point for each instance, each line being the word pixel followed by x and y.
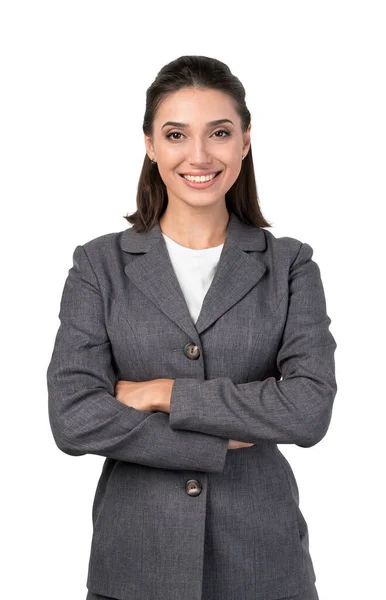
pixel 202 181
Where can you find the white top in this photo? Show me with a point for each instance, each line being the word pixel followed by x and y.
pixel 195 270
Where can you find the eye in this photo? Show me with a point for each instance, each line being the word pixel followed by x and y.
pixel 169 136
pixel 223 131
pixel 227 134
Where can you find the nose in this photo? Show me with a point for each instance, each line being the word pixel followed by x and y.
pixel 198 153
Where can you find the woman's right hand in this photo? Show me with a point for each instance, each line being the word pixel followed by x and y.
pixel 232 444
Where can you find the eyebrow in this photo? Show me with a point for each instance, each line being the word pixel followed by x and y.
pixel 210 124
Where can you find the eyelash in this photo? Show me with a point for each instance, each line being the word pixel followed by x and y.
pixel 218 131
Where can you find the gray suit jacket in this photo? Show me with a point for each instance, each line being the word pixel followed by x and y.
pixel 176 514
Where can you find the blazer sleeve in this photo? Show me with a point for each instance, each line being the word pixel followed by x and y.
pixel 84 415
pixel 297 408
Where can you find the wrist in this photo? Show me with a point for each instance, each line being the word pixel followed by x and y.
pixel 161 398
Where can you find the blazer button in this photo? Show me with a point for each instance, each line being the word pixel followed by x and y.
pixel 193 487
pixel 192 351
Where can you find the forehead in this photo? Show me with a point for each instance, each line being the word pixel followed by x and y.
pixel 190 104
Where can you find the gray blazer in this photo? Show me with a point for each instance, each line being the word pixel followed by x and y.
pixel 176 514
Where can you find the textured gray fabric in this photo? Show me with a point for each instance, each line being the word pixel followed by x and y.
pixel 310 593
pixel 92 596
pixel 265 375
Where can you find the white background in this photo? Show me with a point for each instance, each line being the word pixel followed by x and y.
pixel 74 77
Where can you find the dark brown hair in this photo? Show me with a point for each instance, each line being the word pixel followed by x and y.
pixel 204 73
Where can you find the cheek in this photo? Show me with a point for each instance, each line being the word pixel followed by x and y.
pixel 232 162
pixel 171 156
pixel 231 173
pixel 168 168
pixel 168 173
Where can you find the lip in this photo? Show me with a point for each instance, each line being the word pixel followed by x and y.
pixel 202 186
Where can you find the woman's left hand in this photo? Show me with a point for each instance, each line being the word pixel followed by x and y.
pixel 153 395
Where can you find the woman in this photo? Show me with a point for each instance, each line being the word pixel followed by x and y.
pixel 189 346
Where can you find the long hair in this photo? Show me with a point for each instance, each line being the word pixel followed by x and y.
pixel 204 73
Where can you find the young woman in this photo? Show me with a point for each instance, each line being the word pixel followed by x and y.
pixel 189 346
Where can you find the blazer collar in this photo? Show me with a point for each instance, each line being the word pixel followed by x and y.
pixel 237 272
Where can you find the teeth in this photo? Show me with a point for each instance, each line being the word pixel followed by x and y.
pixel 199 179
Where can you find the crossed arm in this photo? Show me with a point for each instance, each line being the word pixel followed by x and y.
pixel 187 423
pixel 154 395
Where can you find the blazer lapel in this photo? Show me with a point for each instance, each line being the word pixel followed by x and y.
pixel 237 272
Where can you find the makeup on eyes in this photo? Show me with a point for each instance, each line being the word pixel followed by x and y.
pixel 228 134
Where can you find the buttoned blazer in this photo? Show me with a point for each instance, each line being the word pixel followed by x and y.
pixel 263 372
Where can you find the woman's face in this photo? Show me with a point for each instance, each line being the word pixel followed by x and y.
pixel 197 145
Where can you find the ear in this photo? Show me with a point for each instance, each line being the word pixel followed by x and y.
pixel 149 147
pixel 247 140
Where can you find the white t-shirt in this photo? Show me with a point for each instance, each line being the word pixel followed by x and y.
pixel 195 270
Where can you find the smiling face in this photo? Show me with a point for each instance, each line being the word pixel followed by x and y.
pixel 197 131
